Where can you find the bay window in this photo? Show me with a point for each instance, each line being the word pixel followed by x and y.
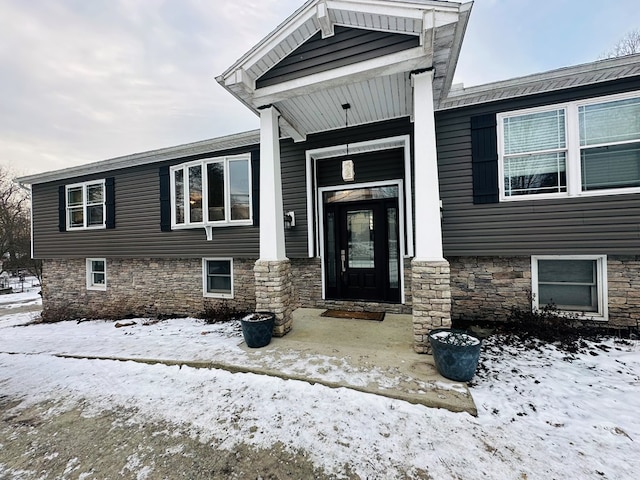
pixel 579 148
pixel 215 191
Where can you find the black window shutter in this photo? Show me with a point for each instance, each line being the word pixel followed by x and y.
pixel 484 159
pixel 110 201
pixel 255 188
pixel 62 209
pixel 165 200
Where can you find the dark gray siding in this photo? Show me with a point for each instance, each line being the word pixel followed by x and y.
pixel 369 167
pixel 602 224
pixel 294 171
pixel 137 194
pixel 137 232
pixel 346 47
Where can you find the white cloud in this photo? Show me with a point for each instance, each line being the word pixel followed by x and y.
pixel 88 80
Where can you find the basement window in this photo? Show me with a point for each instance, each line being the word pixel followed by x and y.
pixel 217 277
pixel 96 274
pixel 575 284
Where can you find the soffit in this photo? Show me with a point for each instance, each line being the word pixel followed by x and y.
pixel 377 89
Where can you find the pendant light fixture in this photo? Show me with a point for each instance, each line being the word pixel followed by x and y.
pixel 348 173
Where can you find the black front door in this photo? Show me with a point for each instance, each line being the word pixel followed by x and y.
pixel 362 250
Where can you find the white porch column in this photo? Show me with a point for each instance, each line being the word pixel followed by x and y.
pixel 428 228
pixel 271 211
pixel 430 272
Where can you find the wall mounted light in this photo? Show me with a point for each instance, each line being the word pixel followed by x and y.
pixel 290 220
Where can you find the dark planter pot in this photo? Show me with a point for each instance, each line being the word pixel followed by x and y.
pixel 257 332
pixel 455 362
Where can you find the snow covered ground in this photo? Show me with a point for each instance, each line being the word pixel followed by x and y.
pixel 542 413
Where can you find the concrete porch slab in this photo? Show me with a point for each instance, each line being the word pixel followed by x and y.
pixel 379 357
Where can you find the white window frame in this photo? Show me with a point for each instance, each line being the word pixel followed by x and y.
pixel 208 294
pixel 205 197
pixel 89 267
pixel 573 172
pixel 601 277
pixel 85 205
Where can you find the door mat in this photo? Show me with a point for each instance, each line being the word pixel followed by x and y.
pixel 378 316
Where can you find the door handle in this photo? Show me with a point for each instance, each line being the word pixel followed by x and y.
pixel 343 257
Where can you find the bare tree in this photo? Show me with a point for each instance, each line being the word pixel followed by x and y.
pixel 627 45
pixel 15 228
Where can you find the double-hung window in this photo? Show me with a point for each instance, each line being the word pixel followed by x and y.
pixel 573 284
pixel 587 147
pixel 86 205
pixel 610 144
pixel 96 274
pixel 535 153
pixel 215 191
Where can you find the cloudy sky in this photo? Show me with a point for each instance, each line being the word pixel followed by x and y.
pixel 87 80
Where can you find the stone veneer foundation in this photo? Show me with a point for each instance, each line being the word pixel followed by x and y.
pixel 480 288
pixel 430 287
pixel 145 287
pixel 273 291
pixel 486 288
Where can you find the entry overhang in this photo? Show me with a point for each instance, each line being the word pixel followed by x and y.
pixel 378 88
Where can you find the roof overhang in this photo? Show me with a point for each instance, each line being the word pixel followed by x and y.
pixel 377 88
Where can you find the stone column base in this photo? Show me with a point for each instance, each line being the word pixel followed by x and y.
pixel 431 292
pixel 274 292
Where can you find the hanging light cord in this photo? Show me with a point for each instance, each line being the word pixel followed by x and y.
pixel 346 108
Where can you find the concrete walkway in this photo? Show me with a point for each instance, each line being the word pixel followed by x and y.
pixel 385 347
pixel 380 351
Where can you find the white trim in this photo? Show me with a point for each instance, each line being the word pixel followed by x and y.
pixel 272 243
pixel 401 218
pixel 85 205
pixel 208 294
pixel 428 225
pixel 601 278
pixel 89 274
pixel 407 60
pixel 573 148
pixel 311 218
pixel 312 156
pixel 184 167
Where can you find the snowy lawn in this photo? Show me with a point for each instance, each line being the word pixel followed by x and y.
pixel 542 413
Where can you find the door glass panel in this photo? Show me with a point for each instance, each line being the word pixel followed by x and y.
pixel 392 225
pixel 332 277
pixel 361 194
pixel 360 239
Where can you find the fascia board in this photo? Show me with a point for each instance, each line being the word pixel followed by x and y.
pixel 282 31
pixel 407 60
pixel 461 27
pixel 412 10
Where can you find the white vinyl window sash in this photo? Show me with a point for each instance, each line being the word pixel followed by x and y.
pixel 96 274
pixel 212 192
pixel 589 147
pixel 85 205
pixel 217 277
pixel 575 284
